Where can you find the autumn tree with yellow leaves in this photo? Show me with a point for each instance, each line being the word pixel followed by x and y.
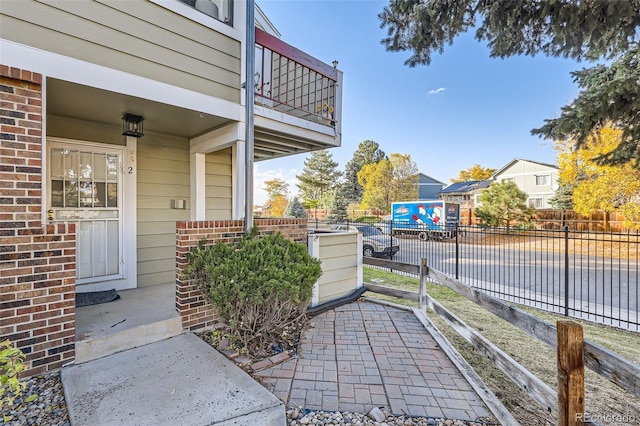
pixel 388 180
pixel 475 172
pixel 600 187
pixel 278 193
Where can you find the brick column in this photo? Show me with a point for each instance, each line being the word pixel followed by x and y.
pixel 194 310
pixel 37 263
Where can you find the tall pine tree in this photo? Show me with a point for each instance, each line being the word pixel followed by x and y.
pixel 317 180
pixel 295 209
pixel 368 152
pixel 338 211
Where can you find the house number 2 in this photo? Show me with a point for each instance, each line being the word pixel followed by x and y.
pixel 130 170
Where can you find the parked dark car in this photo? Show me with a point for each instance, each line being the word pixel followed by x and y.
pixel 375 243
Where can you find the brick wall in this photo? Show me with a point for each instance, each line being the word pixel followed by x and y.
pixel 37 263
pixel 196 313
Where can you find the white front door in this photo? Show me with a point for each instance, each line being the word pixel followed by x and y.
pixel 85 187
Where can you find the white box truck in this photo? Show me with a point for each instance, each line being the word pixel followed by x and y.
pixel 428 219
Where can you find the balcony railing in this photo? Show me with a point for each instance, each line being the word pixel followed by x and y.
pixel 291 81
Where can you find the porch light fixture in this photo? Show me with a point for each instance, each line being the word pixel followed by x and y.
pixel 335 63
pixel 132 125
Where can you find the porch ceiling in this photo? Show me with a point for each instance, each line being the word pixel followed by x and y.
pixel 80 102
pixel 270 144
pixel 76 101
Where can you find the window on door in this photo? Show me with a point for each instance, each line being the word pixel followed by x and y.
pixel 83 179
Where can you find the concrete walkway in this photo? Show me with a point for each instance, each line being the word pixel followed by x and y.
pixel 364 355
pixel 177 381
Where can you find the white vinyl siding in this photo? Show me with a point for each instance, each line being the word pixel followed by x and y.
pixel 138 37
pixel 163 175
pixel 218 184
pixel 339 255
pixel 534 179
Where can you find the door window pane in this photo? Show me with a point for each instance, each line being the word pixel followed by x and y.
pixel 57 193
pixel 112 195
pixel 112 167
pixel 99 195
pixel 70 194
pixel 86 194
pixel 71 164
pixel 85 165
pixel 57 163
pixel 99 167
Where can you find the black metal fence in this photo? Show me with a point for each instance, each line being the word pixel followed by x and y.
pixel 589 275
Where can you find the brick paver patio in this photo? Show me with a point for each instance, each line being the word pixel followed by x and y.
pixel 364 355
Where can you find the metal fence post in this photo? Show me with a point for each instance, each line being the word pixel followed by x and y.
pixel 566 271
pixel 457 251
pixel 422 296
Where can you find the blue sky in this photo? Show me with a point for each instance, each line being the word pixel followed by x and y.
pixel 464 109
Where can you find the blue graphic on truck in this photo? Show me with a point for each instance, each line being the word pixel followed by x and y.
pixel 427 218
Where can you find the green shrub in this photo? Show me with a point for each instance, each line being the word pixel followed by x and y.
pixel 259 287
pixel 11 365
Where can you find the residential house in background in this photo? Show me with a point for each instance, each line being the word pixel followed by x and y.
pixel 428 187
pixel 538 180
pixel 464 193
pixel 121 118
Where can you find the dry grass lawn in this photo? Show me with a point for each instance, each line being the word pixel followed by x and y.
pixel 603 398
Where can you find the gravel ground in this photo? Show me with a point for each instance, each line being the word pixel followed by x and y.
pixel 50 409
pixel 376 418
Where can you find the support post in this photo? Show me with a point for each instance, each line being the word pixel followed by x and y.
pixel 250 45
pixel 566 271
pixel 570 374
pixel 422 296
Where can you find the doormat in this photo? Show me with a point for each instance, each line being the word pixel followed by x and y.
pixel 96 297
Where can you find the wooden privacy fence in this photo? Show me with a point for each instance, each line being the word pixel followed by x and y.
pixel 568 402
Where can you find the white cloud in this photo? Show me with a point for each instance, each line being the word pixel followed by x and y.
pixel 437 91
pixel 260 176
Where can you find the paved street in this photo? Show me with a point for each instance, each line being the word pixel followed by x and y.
pixel 364 355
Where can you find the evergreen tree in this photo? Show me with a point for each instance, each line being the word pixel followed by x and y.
pixel 563 198
pixel 368 152
pixel 318 178
pixel 295 209
pixel 338 212
pixel 577 29
pixel 503 204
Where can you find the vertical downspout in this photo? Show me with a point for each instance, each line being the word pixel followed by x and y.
pixel 249 100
